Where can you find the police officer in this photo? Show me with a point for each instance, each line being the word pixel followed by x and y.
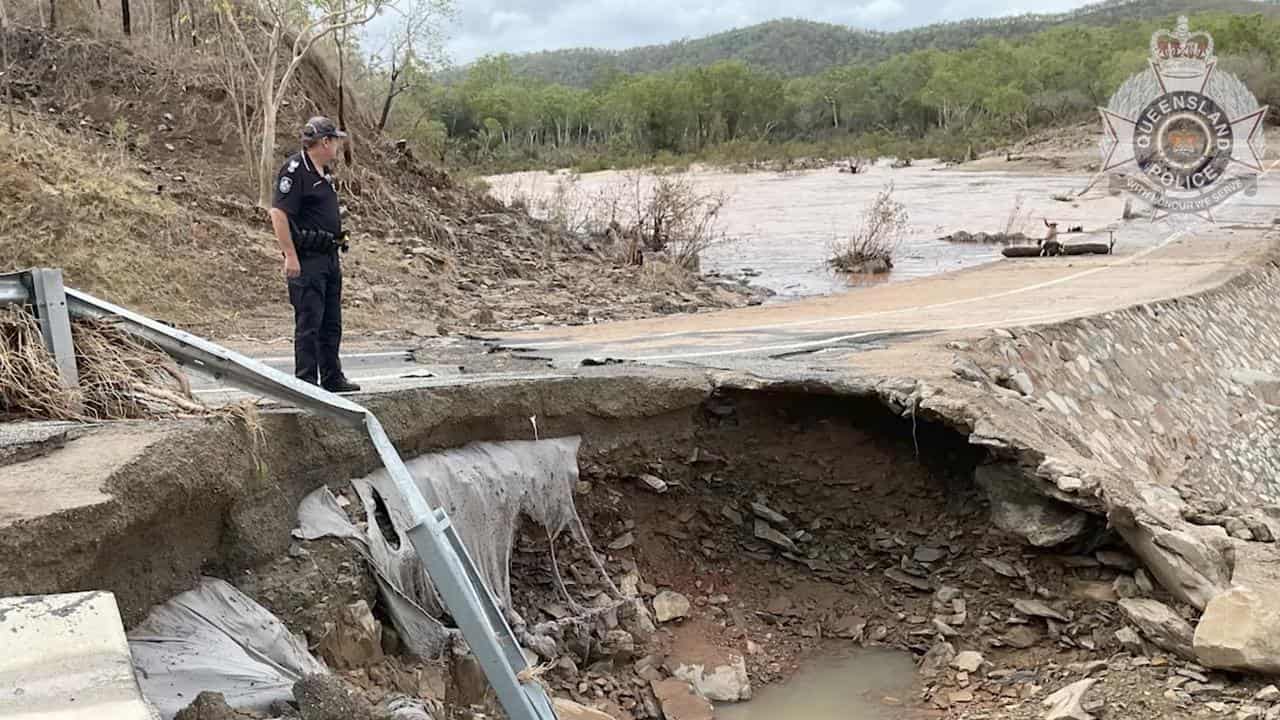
pixel 308 226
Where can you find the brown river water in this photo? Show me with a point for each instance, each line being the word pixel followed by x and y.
pixel 781 227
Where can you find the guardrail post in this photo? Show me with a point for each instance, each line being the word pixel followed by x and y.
pixel 50 300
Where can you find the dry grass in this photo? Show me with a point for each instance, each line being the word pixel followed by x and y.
pixel 638 213
pixel 116 233
pixel 870 247
pixel 120 377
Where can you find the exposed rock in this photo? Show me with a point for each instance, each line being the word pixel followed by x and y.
pixel 968 370
pixel 1186 565
pixel 946 594
pixel 1263 385
pixel 768 514
pixel 354 640
pixel 1143 581
pixel 325 697
pixel 764 531
pixel 1261 531
pixel 1000 567
pixel 620 645
pixel 654 483
pixel 570 710
pixel 968 661
pixel 1238 529
pixel 402 707
pixel 726 683
pixel 1022 383
pixel 1240 630
pixel 908 579
pixel 1249 712
pixel 623 541
pixel 1094 590
pixel 1117 560
pixel 1268 694
pixel 1017 508
pixel 635 618
pixel 1021 637
pixel 208 706
pixel 1126 587
pixel 668 606
pixel 924 554
pixel 1161 625
pixel 937 660
pixel 679 701
pixel 1131 641
pixel 1035 608
pixel 943 629
pixel 850 627
pixel 1068 703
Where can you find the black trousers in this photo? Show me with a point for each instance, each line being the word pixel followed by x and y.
pixel 316 296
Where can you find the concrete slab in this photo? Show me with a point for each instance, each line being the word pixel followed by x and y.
pixel 66 656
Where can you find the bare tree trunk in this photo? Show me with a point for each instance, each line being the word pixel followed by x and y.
pixel 8 69
pixel 267 148
pixel 53 14
pixel 391 95
pixel 126 21
pixel 342 93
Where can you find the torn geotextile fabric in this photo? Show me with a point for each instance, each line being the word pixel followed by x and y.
pixel 484 487
pixel 215 638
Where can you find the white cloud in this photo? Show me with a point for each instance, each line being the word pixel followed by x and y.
pixel 515 26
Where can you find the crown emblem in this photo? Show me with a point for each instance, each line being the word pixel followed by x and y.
pixel 1184 142
pixel 1181 53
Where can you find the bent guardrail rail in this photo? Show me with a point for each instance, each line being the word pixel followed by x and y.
pixel 463 590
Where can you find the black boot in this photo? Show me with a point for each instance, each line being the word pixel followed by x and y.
pixel 341 385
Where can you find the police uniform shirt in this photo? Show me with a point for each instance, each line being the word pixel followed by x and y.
pixel 305 193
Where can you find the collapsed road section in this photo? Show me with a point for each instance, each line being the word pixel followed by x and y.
pixel 1062 521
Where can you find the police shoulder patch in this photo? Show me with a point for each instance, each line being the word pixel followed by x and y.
pixel 286 184
pixel 293 165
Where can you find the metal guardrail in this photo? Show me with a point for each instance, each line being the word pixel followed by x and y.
pixel 468 599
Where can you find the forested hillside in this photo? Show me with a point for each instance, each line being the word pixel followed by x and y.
pixel 794 48
pixel 926 102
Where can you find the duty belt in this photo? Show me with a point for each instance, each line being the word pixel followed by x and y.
pixel 314 241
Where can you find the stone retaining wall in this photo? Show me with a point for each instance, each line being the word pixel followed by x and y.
pixel 1164 418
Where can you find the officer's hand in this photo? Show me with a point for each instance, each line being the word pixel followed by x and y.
pixel 291 267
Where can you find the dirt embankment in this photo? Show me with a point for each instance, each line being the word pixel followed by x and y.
pixel 126 172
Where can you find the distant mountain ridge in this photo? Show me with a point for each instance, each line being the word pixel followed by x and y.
pixel 794 48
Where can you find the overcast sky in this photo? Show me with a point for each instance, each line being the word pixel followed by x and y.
pixel 515 26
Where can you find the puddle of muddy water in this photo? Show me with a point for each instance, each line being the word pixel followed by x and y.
pixel 864 685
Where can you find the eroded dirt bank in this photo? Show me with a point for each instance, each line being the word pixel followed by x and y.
pixel 798 519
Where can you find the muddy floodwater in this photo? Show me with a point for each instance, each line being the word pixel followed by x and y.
pixel 865 685
pixel 782 225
